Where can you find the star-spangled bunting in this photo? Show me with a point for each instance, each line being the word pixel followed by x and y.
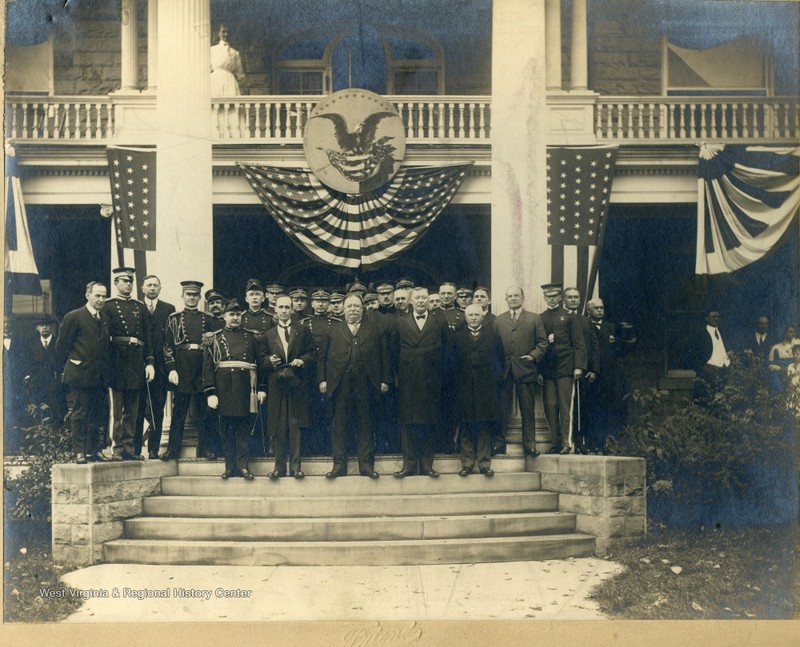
pixel 132 172
pixel 355 231
pixel 578 192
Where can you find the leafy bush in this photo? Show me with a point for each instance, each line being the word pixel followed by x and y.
pixel 41 446
pixel 730 459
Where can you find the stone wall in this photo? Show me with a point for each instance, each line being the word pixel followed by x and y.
pixel 606 493
pixel 91 502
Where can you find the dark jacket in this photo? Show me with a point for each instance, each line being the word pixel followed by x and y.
pixel 185 331
pixel 567 351
pixel 127 319
pixel 336 348
pixel 158 323
pixel 526 337
pixel 479 362
pixel 232 385
pixel 284 399
pixel 82 349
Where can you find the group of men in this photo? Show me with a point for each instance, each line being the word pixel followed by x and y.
pixel 403 364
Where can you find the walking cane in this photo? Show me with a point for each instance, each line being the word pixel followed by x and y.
pixel 152 415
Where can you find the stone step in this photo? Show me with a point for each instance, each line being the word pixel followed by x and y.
pixel 348 553
pixel 384 465
pixel 349 506
pixel 353 485
pixel 350 529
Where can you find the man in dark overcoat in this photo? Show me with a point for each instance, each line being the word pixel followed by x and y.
pixel 353 370
pixel 131 360
pixel 290 351
pixel 82 349
pixel 233 379
pixel 479 363
pixel 420 341
pixel 42 370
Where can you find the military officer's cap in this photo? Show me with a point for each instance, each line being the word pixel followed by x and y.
pixel 404 284
pixel 357 287
pixel 463 291
pixel 551 289
pixel 123 272
pixel 298 293
pixel 233 306
pixel 384 287
pixel 321 295
pixel 274 288
pixel 213 295
pixel 254 284
pixel 370 297
pixel 192 286
pixel 336 297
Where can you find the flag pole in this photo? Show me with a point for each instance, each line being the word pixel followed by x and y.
pixel 593 271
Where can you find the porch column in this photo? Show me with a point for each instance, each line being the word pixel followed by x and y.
pixel 183 117
pixel 152 44
pixel 520 254
pixel 129 73
pixel 579 58
pixel 553 42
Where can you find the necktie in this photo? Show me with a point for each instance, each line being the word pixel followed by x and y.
pixel 716 334
pixel 97 316
pixel 151 308
pixel 514 316
pixel 285 330
pixel 45 342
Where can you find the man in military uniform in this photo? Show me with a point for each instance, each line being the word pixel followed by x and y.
pixel 454 316
pixel 299 303
pixel 256 318
pixel 316 441
pixel 185 334
pixel 131 360
pixel 463 297
pixel 337 306
pixel 274 290
pixel 215 302
pixel 151 404
pixel 402 293
pixel 82 349
pixel 233 363
pixel 385 292
pixel 563 363
pixel 371 301
pixel 580 420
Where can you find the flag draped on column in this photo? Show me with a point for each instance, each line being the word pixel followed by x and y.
pixel 355 231
pixel 578 192
pixel 22 276
pixel 748 196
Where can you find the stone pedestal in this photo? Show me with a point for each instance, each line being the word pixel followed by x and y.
pixel 606 493
pixel 91 502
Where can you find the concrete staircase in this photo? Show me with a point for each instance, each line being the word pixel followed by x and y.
pixel 200 519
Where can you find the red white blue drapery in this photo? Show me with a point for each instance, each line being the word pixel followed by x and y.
pixel 748 196
pixel 355 231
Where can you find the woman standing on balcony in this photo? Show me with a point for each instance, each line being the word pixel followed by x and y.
pixel 226 67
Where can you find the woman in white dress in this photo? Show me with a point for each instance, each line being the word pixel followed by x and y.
pixel 226 70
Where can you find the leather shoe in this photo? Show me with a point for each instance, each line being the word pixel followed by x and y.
pixel 333 474
pixel 275 474
pixel 487 471
pixel 583 450
pixel 465 472
pixel 533 453
pixel 565 450
pixel 80 459
pixel 152 455
pixel 166 457
pixel 372 474
pixel 553 450
pixel 403 473
pixel 247 475
pixel 299 474
pixel 117 458
pixel 431 472
pixel 96 458
pixel 227 474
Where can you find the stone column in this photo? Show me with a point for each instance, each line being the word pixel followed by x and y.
pixel 553 43
pixel 520 254
pixel 129 72
pixel 183 128
pixel 579 62
pixel 152 45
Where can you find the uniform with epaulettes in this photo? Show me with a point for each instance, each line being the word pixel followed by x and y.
pixel 260 321
pixel 186 335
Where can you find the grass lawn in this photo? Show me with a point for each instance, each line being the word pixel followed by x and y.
pixel 716 573
pixel 32 590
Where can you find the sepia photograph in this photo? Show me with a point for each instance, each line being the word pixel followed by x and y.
pixel 401 322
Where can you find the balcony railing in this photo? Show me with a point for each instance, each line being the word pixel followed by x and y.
pixel 676 119
pixel 281 119
pixel 432 120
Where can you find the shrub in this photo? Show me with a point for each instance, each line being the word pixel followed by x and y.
pixel 730 459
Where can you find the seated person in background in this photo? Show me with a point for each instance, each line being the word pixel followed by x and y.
pixel 780 356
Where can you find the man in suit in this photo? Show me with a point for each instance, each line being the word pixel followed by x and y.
pixel 709 358
pixel 42 371
pixel 233 381
pixel 605 395
pixel 353 370
pixel 479 361
pixel 758 343
pixel 524 344
pixel 131 360
pixel 483 297
pixel 420 341
pixel 291 351
pixel 151 404
pixel 185 336
pixel 563 363
pixel 82 348
pixel 572 304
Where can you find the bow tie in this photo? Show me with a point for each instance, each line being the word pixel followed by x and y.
pixel 420 317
